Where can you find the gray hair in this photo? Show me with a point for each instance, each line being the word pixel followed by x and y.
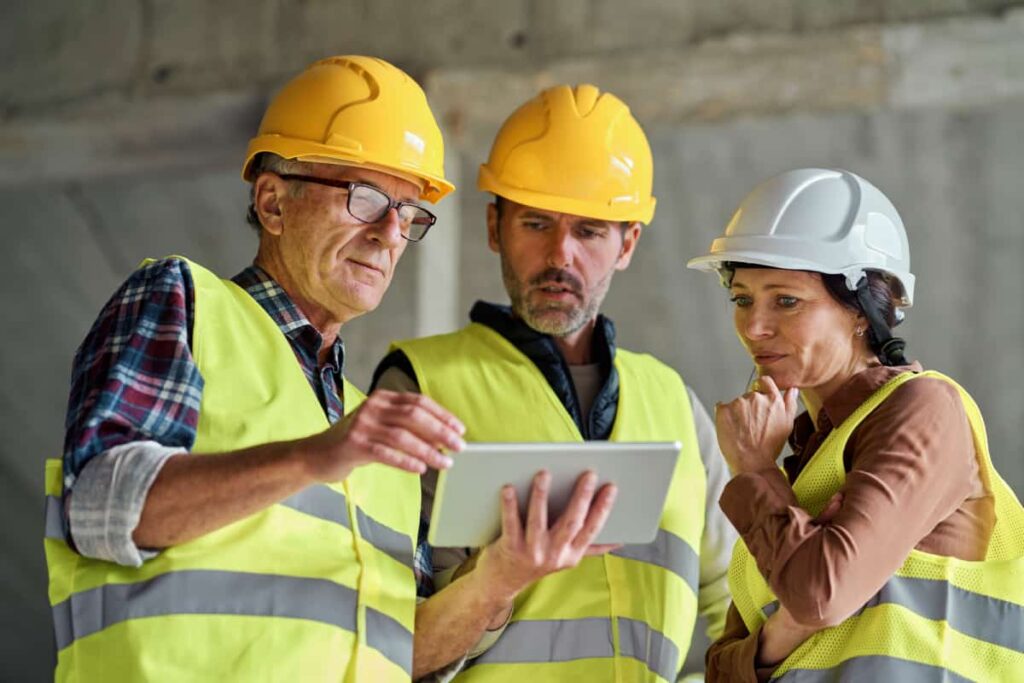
pixel 272 163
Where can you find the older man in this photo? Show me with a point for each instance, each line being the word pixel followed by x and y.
pixel 571 172
pixel 232 508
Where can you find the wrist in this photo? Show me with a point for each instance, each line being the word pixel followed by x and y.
pixel 309 457
pixel 767 647
pixel 779 637
pixel 499 588
pixel 500 618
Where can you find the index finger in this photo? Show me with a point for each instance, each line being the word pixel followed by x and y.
pixel 770 387
pixel 537 508
pixel 424 418
pixel 511 525
pixel 433 408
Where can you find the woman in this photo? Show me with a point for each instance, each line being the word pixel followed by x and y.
pixel 888 548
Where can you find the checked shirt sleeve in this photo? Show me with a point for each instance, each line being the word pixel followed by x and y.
pixel 134 401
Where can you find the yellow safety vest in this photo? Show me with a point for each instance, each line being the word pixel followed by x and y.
pixel 626 616
pixel 319 587
pixel 938 618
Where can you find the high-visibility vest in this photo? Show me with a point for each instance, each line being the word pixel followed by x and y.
pixel 319 587
pixel 938 618
pixel 625 616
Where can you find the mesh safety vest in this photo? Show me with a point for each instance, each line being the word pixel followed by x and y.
pixel 938 618
pixel 316 588
pixel 626 616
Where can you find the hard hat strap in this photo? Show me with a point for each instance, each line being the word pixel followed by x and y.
pixel 889 348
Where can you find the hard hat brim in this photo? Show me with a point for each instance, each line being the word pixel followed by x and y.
pixel 715 263
pixel 433 187
pixel 629 209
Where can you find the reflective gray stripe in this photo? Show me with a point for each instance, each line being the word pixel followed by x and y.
pixel 670 552
pixel 221 592
pixel 875 668
pixel 640 641
pixel 325 503
pixel 54 518
pixel 387 635
pixel 322 502
pixel 556 640
pixel 204 592
pixel 394 543
pixel 979 616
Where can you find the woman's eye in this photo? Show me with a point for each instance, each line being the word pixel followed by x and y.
pixel 787 301
pixel 741 300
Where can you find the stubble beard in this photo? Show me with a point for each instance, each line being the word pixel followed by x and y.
pixel 557 320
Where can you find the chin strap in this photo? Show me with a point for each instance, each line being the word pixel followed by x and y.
pixel 889 348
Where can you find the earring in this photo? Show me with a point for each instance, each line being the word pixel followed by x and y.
pixel 860 331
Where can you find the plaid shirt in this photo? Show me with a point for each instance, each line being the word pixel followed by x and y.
pixel 134 378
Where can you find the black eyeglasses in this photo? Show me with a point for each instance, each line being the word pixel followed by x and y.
pixel 369 204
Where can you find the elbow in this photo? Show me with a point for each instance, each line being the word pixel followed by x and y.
pixel 820 587
pixel 816 601
pixel 819 612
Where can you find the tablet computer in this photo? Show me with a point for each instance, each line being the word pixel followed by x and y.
pixel 467 503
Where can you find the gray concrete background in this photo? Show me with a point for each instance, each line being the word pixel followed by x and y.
pixel 122 126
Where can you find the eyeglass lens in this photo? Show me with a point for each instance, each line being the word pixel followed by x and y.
pixel 370 204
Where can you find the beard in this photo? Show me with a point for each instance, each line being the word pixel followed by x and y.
pixel 556 318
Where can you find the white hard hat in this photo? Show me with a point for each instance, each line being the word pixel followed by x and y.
pixel 819 220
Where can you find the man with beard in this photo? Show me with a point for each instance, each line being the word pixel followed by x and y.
pixel 571 172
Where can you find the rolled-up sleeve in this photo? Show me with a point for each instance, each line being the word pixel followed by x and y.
pixel 134 402
pixel 107 501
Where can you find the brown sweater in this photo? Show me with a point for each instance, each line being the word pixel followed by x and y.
pixel 912 482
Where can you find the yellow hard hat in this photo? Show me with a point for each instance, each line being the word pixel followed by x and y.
pixel 573 150
pixel 356 110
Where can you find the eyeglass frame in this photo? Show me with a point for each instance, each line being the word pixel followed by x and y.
pixel 349 184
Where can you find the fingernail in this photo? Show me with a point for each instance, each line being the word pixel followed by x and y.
pixel 456 444
pixel 448 462
pixel 460 428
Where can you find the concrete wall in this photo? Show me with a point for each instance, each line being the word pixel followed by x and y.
pixel 122 126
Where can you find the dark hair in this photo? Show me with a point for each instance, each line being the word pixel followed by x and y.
pixel 499 206
pixel 881 290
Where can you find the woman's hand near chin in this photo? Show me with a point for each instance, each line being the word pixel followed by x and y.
pixel 753 428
